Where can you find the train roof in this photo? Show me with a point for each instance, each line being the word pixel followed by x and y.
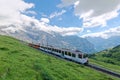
pixel 68 50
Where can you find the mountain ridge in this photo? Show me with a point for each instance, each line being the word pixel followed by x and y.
pixel 51 38
pixel 111 55
pixel 101 44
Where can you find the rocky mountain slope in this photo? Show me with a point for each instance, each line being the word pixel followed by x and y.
pixel 50 38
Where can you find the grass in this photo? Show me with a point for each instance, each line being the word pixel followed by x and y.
pixel 20 62
pixel 114 68
pixel 109 59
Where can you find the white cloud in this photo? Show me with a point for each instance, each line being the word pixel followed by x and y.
pixel 44 26
pixel 45 20
pixel 105 34
pixel 94 12
pixel 76 4
pixel 12 19
pixel 56 14
pixel 65 31
pixel 31 12
pixel 10 11
pixel 99 20
pixel 88 31
pixel 48 28
pixel 66 3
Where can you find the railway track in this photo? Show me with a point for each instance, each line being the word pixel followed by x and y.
pixel 104 70
pixel 88 65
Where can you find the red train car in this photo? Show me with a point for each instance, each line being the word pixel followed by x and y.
pixel 34 45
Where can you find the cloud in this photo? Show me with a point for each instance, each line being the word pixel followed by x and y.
pixel 10 11
pixel 43 24
pixel 105 34
pixel 56 14
pixel 45 20
pixel 64 31
pixel 12 19
pixel 88 31
pixel 94 12
pixel 76 4
pixel 66 3
pixel 31 12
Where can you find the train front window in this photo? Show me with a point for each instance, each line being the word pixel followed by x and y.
pixel 85 55
pixel 79 55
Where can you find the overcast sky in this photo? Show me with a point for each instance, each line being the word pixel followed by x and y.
pixel 94 18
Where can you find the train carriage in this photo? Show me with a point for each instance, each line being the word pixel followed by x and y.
pixel 76 56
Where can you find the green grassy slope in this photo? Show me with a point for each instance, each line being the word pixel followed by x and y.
pixel 109 58
pixel 20 62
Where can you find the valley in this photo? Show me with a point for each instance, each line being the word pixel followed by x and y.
pixel 19 62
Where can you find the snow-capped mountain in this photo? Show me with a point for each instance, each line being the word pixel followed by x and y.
pixel 49 38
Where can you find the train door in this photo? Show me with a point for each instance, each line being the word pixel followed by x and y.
pixel 62 53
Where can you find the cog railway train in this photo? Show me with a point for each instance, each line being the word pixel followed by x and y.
pixel 76 56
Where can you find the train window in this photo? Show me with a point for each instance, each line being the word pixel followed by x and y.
pixel 69 53
pixel 79 55
pixel 59 51
pixel 65 52
pixel 56 50
pixel 53 49
pixel 73 55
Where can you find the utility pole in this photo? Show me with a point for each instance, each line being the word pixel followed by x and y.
pixel 47 40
